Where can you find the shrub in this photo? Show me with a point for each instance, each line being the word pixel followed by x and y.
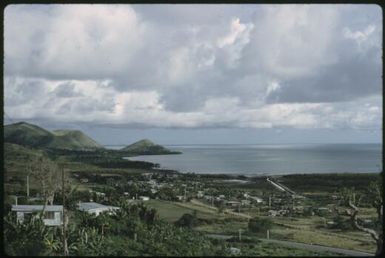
pixel 257 225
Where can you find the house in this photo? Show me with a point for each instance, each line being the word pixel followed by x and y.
pixel 331 224
pixel 283 212
pixel 272 213
pixel 153 190
pixel 53 214
pixel 234 251
pixel 208 197
pixel 245 202
pixel 180 197
pixel 147 175
pixel 200 194
pixel 96 208
pixel 144 198
pixel 84 180
pixel 100 194
pixel 256 199
pixel 233 203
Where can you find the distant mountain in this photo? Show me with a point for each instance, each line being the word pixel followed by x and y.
pixel 26 134
pixel 147 147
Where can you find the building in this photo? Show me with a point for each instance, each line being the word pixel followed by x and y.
pixel 200 194
pixel 234 251
pixel 53 214
pixel 144 198
pixel 96 208
pixel 233 203
pixel 256 199
pixel 84 180
pixel 245 202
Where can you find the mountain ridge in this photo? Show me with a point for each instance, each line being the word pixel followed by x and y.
pixel 31 135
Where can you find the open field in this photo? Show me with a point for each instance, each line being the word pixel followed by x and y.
pixel 305 230
pixel 172 211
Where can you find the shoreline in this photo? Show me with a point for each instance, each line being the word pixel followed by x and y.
pixel 247 175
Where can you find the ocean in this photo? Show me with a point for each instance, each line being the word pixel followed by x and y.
pixel 271 159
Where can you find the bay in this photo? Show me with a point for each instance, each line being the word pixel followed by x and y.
pixel 271 159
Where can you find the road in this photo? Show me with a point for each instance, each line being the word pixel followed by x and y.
pixel 318 248
pixel 315 248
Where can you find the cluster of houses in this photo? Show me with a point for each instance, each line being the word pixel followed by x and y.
pixel 53 214
pixel 247 201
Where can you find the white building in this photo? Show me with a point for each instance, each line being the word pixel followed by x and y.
pixel 256 199
pixel 96 208
pixel 200 194
pixel 53 214
pixel 144 198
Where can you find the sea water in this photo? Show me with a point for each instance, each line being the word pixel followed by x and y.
pixel 271 159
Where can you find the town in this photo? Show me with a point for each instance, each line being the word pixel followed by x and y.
pixel 219 206
pixel 98 202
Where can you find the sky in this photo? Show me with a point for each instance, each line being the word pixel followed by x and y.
pixel 193 74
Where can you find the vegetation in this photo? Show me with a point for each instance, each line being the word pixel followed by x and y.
pixel 147 147
pixel 339 210
pixel 375 194
pixel 33 136
pixel 259 225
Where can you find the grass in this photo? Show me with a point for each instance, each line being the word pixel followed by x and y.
pixel 304 230
pixel 230 227
pixel 271 249
pixel 172 211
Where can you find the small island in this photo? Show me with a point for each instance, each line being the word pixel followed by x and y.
pixel 147 147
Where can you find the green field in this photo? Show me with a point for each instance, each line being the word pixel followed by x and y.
pixel 172 211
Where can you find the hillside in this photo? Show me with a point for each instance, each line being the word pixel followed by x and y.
pixel 27 135
pixel 30 135
pixel 76 139
pixel 147 147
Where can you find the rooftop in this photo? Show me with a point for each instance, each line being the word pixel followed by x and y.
pixel 32 208
pixel 85 206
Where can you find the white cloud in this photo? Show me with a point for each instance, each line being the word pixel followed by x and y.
pixel 299 66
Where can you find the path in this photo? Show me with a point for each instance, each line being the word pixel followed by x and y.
pixel 315 248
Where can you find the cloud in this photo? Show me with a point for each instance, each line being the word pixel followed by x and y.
pixel 66 90
pixel 301 66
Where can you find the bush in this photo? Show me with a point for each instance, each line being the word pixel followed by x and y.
pixel 187 220
pixel 258 225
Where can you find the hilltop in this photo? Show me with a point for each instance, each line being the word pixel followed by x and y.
pixel 147 147
pixel 74 139
pixel 31 135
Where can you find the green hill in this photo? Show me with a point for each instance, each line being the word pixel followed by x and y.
pixel 147 147
pixel 30 135
pixel 76 139
pixel 27 135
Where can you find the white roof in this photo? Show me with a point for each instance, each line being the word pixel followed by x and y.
pixel 33 208
pixel 85 206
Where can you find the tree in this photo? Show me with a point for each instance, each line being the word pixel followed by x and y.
pixel 25 239
pixel 352 201
pixel 258 225
pixel 47 173
pixel 187 220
